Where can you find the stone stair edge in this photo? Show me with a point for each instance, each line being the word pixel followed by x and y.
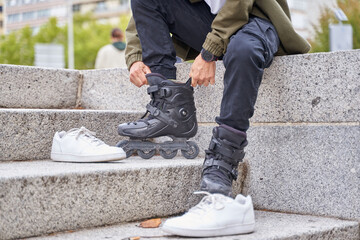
pixel 319 106
pixel 77 198
pixel 68 110
pixel 269 225
pixel 46 183
pixel 47 167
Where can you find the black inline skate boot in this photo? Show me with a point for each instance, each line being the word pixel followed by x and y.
pixel 171 112
pixel 226 151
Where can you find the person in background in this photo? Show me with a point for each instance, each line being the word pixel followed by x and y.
pixel 112 55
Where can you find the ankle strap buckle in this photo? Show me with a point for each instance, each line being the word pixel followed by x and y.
pixel 221 164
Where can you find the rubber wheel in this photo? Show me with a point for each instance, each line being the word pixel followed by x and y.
pixel 146 154
pixel 123 144
pixel 192 152
pixel 168 154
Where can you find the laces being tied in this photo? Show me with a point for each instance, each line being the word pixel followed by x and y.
pixel 87 133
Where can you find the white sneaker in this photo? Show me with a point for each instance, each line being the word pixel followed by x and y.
pixel 215 215
pixel 81 145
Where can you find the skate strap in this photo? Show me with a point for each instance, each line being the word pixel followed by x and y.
pixel 220 163
pixel 163 92
pixel 153 88
pixel 157 113
pixel 224 148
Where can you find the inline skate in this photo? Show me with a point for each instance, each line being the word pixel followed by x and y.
pixel 171 112
pixel 220 168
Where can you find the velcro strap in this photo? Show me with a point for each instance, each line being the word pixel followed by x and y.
pixel 162 92
pixel 157 113
pixel 212 162
pixel 153 88
pixel 220 147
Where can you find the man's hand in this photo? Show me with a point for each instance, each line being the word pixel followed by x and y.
pixel 202 72
pixel 137 73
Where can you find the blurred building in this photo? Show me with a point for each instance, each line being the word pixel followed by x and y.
pixel 19 13
pixel 34 13
pixel 305 13
pixel 1 16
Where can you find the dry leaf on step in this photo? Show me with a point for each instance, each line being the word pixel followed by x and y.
pixel 132 238
pixel 152 223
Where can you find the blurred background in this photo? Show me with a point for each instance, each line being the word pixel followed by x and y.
pixel 73 31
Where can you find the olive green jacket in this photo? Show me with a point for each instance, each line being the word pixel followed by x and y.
pixel 232 16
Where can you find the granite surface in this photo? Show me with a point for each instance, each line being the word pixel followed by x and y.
pixel 35 87
pixel 111 89
pixel 39 197
pixel 269 226
pixel 320 87
pixel 305 169
pixel 26 134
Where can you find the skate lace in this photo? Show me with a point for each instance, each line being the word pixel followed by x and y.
pixel 89 135
pixel 209 202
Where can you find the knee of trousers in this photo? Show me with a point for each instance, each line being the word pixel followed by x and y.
pixel 245 50
pixel 136 4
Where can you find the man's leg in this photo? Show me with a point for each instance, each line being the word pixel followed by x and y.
pixel 156 19
pixel 250 50
pixel 171 109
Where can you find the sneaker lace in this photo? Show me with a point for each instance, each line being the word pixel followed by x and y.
pixel 84 132
pixel 210 201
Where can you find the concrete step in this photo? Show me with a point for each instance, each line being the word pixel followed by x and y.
pixel 298 88
pixel 35 87
pixel 40 197
pixel 26 134
pixel 300 168
pixel 269 226
pixel 320 87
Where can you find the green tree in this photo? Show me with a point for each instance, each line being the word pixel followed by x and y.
pixel 320 41
pixel 89 36
pixel 17 48
pixel 51 33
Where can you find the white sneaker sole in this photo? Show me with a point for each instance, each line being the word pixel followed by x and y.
pixel 61 157
pixel 216 232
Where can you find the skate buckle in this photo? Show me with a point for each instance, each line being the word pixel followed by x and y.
pixel 156 112
pixel 209 162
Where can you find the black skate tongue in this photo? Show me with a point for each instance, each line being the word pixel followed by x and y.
pixel 155 78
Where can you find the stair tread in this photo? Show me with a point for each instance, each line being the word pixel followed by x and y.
pixel 36 168
pixel 269 226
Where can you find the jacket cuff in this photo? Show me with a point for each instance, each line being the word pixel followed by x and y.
pixel 137 57
pixel 214 46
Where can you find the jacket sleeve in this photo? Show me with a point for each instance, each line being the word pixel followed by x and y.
pixel 232 16
pixel 133 51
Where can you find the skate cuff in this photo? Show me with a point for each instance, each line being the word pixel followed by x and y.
pixel 222 164
pixel 221 147
pixel 157 113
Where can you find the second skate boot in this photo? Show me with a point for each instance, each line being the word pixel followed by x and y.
pixel 226 151
pixel 171 112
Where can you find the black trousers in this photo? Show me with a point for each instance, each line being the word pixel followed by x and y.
pixel 250 51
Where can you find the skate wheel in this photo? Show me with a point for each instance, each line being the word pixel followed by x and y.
pixel 124 145
pixel 192 151
pixel 169 154
pixel 146 154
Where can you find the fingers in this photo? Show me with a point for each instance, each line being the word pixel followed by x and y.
pixel 137 74
pixel 202 72
pixel 146 69
pixel 212 80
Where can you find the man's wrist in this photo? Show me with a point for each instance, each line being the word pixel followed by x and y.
pixel 208 56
